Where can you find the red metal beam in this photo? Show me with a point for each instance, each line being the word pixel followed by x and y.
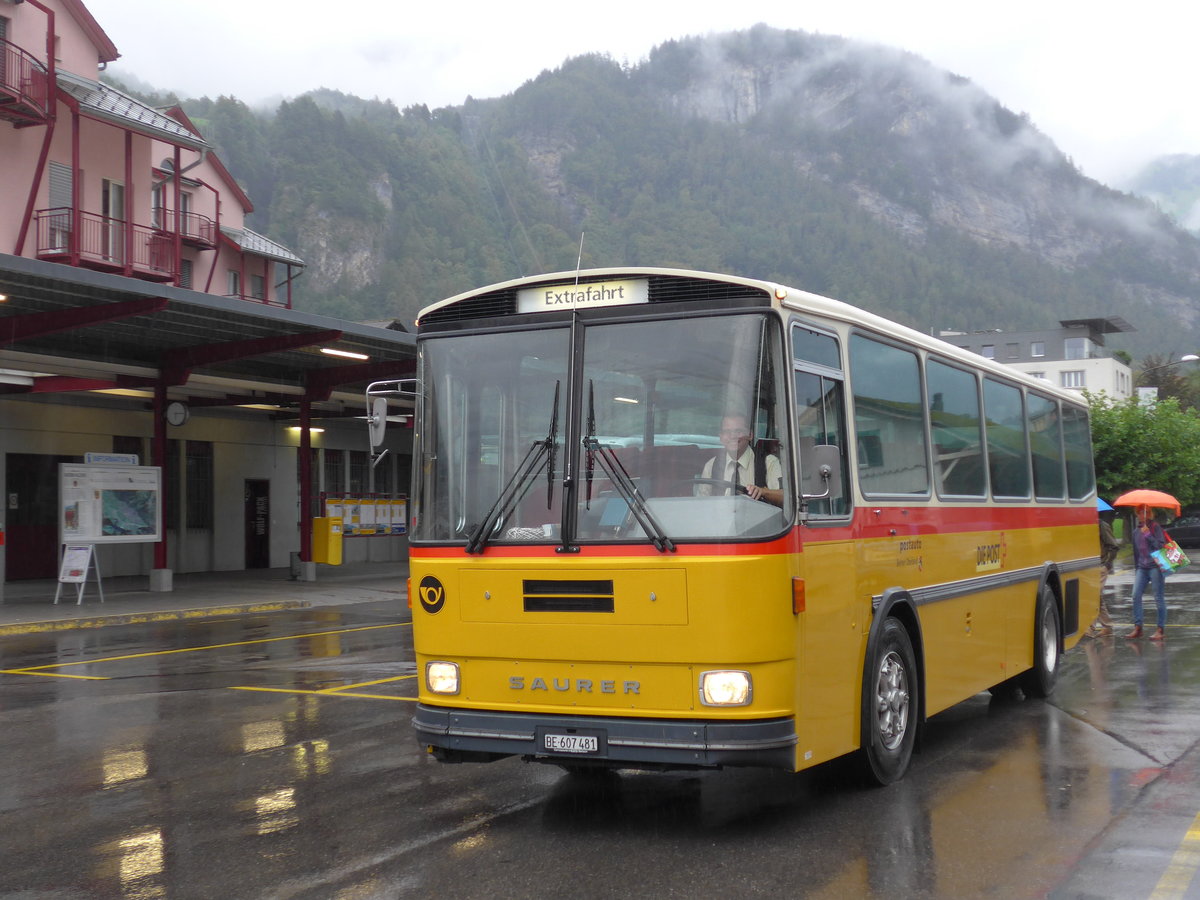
pixel 321 382
pixel 245 399
pixel 205 354
pixel 177 365
pixel 31 325
pixel 62 384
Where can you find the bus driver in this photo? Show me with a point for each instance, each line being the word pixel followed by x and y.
pixel 737 465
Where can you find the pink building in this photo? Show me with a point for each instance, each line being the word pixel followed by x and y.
pixel 96 179
pixel 141 322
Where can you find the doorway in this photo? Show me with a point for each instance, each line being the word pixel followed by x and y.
pixel 31 514
pixel 258 523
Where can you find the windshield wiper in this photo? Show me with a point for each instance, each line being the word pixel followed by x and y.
pixel 621 481
pixel 540 455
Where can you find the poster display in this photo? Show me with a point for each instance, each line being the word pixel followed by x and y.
pixel 367 515
pixel 109 503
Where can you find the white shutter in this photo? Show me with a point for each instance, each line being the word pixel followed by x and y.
pixel 60 203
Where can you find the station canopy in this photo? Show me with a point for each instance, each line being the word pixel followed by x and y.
pixel 68 330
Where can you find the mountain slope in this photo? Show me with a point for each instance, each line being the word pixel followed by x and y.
pixel 1172 182
pixel 847 169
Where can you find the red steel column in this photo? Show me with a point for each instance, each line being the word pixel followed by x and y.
pixel 305 481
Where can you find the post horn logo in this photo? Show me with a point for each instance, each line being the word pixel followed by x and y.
pixel 432 594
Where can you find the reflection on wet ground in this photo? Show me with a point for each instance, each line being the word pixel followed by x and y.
pixel 158 780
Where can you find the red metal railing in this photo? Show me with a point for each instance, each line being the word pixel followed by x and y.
pixel 24 86
pixel 199 229
pixel 101 243
pixel 195 229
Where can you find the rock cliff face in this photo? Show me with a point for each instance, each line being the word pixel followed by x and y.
pixel 344 252
pixel 980 169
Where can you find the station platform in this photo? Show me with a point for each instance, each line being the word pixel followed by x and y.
pixel 29 606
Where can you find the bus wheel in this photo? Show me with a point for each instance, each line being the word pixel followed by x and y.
pixel 1039 681
pixel 890 694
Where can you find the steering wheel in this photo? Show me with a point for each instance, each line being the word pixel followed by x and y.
pixel 722 483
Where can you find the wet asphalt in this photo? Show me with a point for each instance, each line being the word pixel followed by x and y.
pixel 219 744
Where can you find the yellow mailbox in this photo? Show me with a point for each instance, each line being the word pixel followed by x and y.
pixel 327 540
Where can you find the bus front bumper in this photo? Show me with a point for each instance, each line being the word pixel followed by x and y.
pixel 472 735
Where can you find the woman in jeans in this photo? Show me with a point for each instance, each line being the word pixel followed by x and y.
pixel 1147 537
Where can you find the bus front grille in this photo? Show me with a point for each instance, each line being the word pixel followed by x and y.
pixel 566 595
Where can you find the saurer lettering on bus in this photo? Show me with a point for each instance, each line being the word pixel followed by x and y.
pixel 579 685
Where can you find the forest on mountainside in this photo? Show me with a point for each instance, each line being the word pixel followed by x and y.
pixel 846 169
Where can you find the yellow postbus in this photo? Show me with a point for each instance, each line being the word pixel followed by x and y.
pixel 674 519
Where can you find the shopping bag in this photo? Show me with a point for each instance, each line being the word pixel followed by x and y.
pixel 1175 556
pixel 1160 557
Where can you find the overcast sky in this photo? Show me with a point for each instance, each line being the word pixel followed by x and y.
pixel 1113 85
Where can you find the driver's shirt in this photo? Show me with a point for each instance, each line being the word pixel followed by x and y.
pixel 740 471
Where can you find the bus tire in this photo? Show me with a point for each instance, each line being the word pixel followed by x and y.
pixel 890 703
pixel 1047 641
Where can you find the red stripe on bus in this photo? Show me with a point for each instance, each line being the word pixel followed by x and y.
pixel 869 522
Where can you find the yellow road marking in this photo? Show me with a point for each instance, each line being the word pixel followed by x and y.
pixel 1175 881
pixel 295 637
pixel 326 692
pixel 52 674
pixel 346 687
pixel 347 690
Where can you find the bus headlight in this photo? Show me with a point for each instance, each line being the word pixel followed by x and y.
pixel 441 677
pixel 726 687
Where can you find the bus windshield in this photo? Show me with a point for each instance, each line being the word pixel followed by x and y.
pixel 522 440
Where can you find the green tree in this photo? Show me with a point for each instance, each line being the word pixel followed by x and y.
pixel 1168 376
pixel 1150 445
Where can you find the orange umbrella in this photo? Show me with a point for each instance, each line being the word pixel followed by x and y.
pixel 1146 497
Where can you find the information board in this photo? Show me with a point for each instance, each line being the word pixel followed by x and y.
pixel 77 558
pixel 109 503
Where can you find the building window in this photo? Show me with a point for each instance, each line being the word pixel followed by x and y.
pixel 258 287
pixel 234 283
pixel 1077 348
pixel 335 472
pixel 1041 375
pixel 382 475
pixel 358 471
pixel 1037 349
pixel 1013 349
pixel 185 273
pixel 156 207
pixel 126 444
pixel 199 468
pixel 988 351
pixel 112 210
pixel 1073 379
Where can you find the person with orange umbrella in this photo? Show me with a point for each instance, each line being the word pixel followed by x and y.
pixel 1147 537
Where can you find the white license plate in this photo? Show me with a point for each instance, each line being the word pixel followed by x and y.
pixel 572 743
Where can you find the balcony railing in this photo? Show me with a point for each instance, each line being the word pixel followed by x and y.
pixel 195 229
pixel 101 244
pixel 24 87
